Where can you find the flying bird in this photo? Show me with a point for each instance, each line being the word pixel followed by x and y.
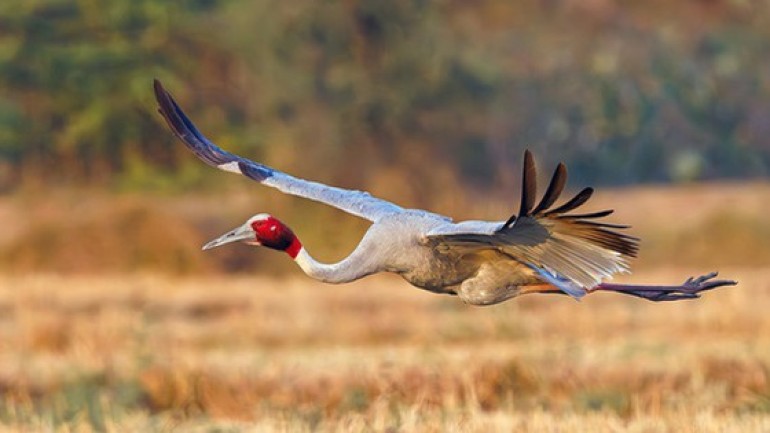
pixel 541 249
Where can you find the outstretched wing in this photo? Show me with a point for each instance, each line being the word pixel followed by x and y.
pixel 571 251
pixel 358 203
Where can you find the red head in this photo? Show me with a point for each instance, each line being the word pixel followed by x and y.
pixel 274 234
pixel 264 230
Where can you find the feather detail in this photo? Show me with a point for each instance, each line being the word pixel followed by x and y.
pixel 529 184
pixel 576 248
pixel 600 214
pixel 554 190
pixel 578 200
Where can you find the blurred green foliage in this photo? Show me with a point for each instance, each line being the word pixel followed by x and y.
pixel 74 75
pixel 431 95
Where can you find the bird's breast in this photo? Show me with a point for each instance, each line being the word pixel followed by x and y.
pixel 436 272
pixel 399 244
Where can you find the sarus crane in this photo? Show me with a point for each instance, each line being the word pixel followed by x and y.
pixel 540 249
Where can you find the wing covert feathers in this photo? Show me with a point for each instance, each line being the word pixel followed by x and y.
pixel 578 247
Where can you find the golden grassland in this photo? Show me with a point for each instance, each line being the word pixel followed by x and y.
pixel 263 354
pixel 196 350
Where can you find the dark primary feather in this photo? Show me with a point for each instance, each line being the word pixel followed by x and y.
pixel 578 200
pixel 207 151
pixel 599 214
pixel 529 184
pixel 555 187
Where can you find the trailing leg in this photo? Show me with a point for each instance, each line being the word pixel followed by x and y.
pixel 690 289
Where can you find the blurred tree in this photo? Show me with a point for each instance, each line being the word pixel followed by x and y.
pixel 75 76
pixel 422 98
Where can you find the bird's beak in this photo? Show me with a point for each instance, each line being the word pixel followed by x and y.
pixel 242 233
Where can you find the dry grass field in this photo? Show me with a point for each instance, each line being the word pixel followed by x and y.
pixel 153 351
pixel 258 354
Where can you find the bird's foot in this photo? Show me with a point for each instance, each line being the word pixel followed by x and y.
pixel 690 289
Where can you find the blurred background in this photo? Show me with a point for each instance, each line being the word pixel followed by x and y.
pixel 107 318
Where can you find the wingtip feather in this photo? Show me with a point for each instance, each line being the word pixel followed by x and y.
pixel 578 200
pixel 555 188
pixel 157 86
pixel 166 107
pixel 185 129
pixel 529 184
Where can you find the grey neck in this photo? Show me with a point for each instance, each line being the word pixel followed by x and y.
pixel 353 267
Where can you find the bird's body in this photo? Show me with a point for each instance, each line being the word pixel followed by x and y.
pixel 404 244
pixel 478 277
pixel 400 243
pixel 541 249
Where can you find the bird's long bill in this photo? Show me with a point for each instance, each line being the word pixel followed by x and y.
pixel 242 233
